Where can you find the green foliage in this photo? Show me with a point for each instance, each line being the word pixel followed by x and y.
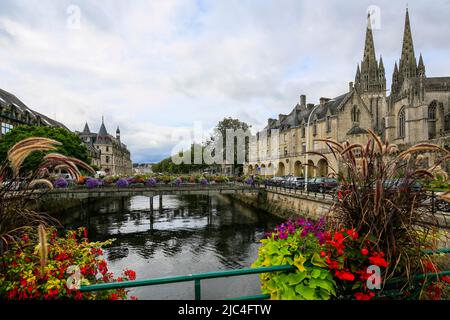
pixel 21 276
pixel 312 279
pixel 72 145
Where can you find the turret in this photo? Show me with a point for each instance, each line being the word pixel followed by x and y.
pixel 118 133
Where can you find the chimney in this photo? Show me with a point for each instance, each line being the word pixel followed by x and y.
pixel 350 86
pixel 303 101
pixel 310 105
pixel 323 101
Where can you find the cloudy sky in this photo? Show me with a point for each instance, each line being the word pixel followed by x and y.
pixel 155 67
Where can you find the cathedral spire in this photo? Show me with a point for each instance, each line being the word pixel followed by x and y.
pixel 369 47
pixel 408 63
pixel 370 78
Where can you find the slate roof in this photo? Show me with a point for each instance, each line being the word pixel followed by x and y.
pixel 437 83
pixel 8 99
pixel 300 114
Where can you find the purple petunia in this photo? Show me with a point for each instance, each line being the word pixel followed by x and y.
pixel 151 182
pixel 307 227
pixel 92 183
pixel 61 182
pixel 204 182
pixel 249 181
pixel 122 183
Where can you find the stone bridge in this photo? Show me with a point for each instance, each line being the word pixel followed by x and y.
pixel 116 192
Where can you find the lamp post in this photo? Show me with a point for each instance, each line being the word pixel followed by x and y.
pixel 307 146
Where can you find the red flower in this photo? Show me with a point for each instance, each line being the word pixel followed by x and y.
pixel 378 260
pixel 364 252
pixel 130 274
pixel 344 275
pixel 352 233
pixel 363 296
pixel 85 233
pixel 114 296
pixel 78 296
pixel 25 237
pixel 332 264
pixel 446 279
pixel 133 298
pixel 323 254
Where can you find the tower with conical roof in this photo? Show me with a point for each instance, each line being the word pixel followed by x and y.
pixel 118 134
pixel 103 132
pixel 86 129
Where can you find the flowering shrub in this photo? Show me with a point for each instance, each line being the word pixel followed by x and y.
pixel 122 183
pixel 60 182
pixel 151 182
pixel 329 264
pixel 204 182
pixel 22 276
pixel 298 244
pixel 249 181
pixel 92 183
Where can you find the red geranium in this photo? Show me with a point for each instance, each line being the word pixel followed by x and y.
pixel 364 296
pixel 378 260
pixel 344 275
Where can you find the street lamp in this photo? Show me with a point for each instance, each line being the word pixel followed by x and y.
pixel 307 146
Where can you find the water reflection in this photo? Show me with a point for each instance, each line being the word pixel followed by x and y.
pixel 186 234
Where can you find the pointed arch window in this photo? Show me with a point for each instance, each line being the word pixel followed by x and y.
pixel 401 123
pixel 432 120
pixel 355 114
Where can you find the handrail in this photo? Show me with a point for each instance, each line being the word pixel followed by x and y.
pixel 192 277
pixel 232 273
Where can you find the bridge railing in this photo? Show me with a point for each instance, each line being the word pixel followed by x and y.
pixel 196 278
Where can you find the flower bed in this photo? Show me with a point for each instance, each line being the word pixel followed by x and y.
pixel 330 264
pixel 24 276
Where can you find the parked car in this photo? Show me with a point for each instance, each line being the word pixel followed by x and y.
pixel 294 182
pixel 402 185
pixel 277 181
pixel 322 185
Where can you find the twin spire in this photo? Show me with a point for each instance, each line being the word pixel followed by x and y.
pixel 371 76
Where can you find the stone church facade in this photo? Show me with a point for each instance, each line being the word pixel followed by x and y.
pixel 416 110
pixel 107 152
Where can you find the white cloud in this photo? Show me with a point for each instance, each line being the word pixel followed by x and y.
pixel 152 66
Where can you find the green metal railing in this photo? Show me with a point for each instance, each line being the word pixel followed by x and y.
pixel 196 278
pixel 192 277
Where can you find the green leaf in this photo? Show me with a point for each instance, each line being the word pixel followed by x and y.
pixel 299 261
pixel 315 273
pixel 318 261
pixel 296 278
pixel 305 291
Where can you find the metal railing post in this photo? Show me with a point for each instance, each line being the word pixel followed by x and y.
pixel 198 292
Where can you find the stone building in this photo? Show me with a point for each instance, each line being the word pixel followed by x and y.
pixel 14 112
pixel 416 110
pixel 108 153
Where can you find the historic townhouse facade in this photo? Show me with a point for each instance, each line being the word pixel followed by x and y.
pixel 14 112
pixel 416 110
pixel 107 152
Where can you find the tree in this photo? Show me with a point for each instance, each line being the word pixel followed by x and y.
pixel 72 145
pixel 221 131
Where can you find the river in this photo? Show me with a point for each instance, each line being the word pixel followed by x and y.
pixel 187 234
